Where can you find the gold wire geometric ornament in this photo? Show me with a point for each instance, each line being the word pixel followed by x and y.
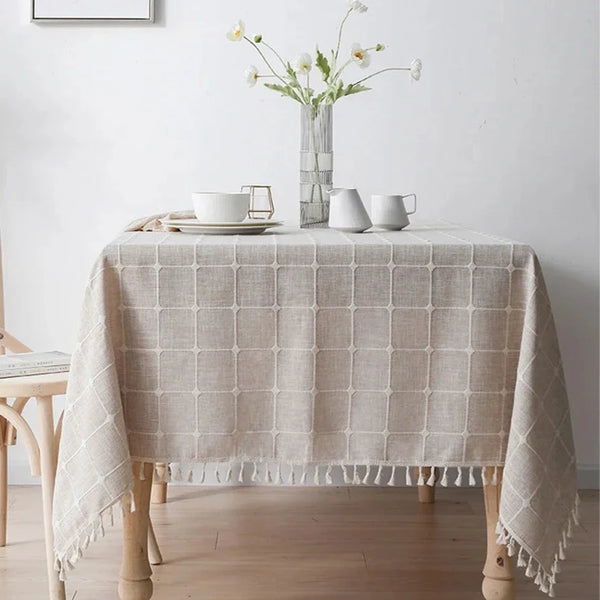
pixel 260 196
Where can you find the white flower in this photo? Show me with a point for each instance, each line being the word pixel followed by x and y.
pixel 304 63
pixel 251 75
pixel 357 6
pixel 415 69
pixel 360 56
pixel 236 33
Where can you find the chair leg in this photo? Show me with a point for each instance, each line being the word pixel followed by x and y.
pixel 48 464
pixel 3 485
pixel 154 555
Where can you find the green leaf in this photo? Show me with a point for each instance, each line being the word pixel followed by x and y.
pixel 284 90
pixel 323 65
pixel 354 88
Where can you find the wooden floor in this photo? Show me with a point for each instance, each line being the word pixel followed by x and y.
pixel 272 543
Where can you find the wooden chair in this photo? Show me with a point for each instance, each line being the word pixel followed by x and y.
pixel 43 450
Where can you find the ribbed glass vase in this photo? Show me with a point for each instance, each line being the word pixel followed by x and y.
pixel 316 164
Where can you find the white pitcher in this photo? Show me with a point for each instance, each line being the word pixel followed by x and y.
pixel 389 211
pixel 347 212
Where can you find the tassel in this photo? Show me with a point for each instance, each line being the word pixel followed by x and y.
pixel 538 577
pixel 408 479
pixel 570 528
pixel 392 476
pixel 346 476
pixel 472 481
pixel 303 478
pixel 544 586
pixel 484 478
pixel 431 480
pixel 378 476
pixel 444 481
pixel 511 547
pixel 268 474
pixel 316 479
pixel 458 481
pixel 521 559
pixel 279 479
pixel 228 475
pixel 367 473
pixel 551 591
pixel 217 474
pixel 561 552
pixel 254 477
pixel 292 477
pixel 556 566
pixel 495 476
pixel 203 475
pixel 178 474
pixel 530 571
pixel 328 478
pixel 356 478
pixel 421 480
pixel 241 474
pixel 111 516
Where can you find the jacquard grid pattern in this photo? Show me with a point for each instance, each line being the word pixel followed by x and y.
pixel 318 347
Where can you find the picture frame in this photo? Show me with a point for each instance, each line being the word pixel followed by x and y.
pixel 64 11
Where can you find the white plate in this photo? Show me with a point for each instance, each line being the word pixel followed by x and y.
pixel 249 227
pixel 195 223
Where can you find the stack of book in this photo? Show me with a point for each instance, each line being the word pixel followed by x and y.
pixel 34 363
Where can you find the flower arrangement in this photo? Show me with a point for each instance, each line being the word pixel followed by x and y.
pixel 293 81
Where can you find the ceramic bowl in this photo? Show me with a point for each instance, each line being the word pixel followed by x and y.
pixel 221 207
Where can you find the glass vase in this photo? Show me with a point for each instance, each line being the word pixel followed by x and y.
pixel 316 164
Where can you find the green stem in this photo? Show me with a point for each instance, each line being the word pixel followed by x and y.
pixel 272 69
pixel 350 60
pixel 275 53
pixel 339 41
pixel 382 71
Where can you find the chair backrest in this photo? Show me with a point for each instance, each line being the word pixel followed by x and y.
pixel 1 288
pixel 7 341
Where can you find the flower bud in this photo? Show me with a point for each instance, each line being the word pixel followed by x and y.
pixel 258 38
pixel 379 47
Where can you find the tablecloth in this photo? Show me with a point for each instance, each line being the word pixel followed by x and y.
pixel 297 349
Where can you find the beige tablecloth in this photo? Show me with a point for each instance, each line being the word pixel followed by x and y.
pixel 294 350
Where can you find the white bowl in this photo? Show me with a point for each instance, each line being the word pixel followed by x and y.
pixel 220 207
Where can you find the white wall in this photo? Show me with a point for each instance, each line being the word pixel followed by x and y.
pixel 102 123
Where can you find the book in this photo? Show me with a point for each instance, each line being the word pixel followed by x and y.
pixel 34 363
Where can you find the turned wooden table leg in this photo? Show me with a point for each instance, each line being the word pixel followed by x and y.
pixel 135 582
pixel 426 492
pixel 159 487
pixel 498 577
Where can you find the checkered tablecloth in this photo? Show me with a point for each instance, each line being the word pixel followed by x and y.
pixel 305 349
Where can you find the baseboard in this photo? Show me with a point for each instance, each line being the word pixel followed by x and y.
pixel 588 477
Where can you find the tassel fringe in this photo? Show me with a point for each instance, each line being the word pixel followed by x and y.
pixel 544 579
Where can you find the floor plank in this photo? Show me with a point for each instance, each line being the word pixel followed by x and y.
pixel 278 543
